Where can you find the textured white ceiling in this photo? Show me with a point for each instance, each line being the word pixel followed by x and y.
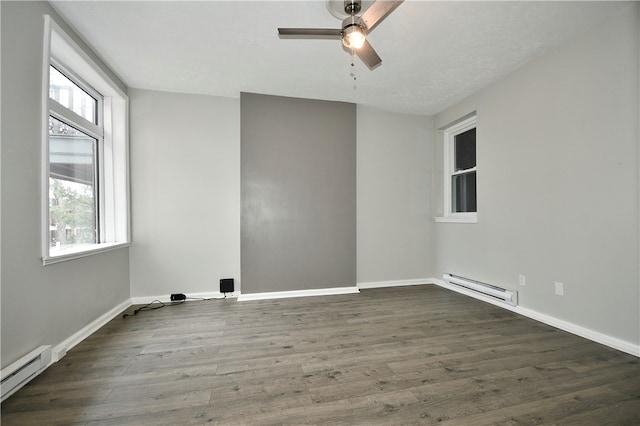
pixel 433 53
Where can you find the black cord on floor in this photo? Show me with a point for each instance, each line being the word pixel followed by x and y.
pixel 150 307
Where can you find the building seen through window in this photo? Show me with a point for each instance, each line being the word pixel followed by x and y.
pixel 73 167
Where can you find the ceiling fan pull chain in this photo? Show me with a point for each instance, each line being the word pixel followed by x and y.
pixel 353 68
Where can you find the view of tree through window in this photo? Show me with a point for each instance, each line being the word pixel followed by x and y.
pixel 72 214
pixel 72 195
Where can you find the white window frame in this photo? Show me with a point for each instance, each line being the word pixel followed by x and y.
pixel 64 53
pixel 450 134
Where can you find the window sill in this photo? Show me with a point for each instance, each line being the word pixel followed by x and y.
pixel 457 219
pixel 83 252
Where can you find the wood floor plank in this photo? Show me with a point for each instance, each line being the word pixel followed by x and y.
pixel 545 411
pixel 411 356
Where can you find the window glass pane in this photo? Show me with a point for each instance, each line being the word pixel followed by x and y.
pixel 463 199
pixel 465 150
pixel 69 95
pixel 72 188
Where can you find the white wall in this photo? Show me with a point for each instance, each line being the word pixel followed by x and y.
pixel 558 183
pixel 185 177
pixel 40 305
pixel 394 174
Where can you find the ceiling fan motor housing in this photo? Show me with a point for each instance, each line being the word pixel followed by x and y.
pixel 350 24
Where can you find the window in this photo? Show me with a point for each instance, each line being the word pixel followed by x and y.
pixel 85 163
pixel 73 165
pixel 460 169
pixel 73 201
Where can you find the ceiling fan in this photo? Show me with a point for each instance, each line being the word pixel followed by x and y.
pixel 354 29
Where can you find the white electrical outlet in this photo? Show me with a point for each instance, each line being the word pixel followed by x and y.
pixel 522 280
pixel 559 289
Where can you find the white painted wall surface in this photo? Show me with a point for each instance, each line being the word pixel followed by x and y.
pixel 394 174
pixel 41 305
pixel 185 178
pixel 558 183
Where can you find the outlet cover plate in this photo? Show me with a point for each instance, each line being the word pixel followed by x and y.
pixel 559 288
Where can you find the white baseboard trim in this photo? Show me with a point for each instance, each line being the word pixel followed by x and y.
pixel 595 336
pixel 60 350
pixel 298 293
pixel 166 298
pixel 211 295
pixel 612 342
pixel 396 283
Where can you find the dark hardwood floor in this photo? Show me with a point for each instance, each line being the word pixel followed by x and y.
pixel 394 356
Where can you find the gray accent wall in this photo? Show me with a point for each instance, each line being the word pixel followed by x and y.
pixel 40 305
pixel 557 151
pixel 298 191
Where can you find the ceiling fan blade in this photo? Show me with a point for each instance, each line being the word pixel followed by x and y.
pixel 377 12
pixel 310 32
pixel 368 55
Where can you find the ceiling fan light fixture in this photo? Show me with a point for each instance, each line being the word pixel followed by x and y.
pixel 353 37
pixel 354 30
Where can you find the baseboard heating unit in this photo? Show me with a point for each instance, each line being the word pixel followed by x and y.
pixel 498 293
pixel 23 370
